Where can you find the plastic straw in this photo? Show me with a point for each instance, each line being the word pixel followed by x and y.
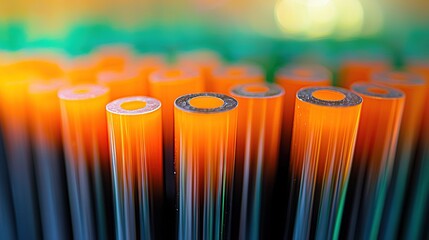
pixel 135 130
pixel 205 135
pixel 84 130
pixel 258 137
pixel 324 135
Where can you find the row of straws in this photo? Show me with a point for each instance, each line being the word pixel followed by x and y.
pixel 115 144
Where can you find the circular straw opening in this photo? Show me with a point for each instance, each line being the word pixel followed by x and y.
pixel 328 95
pixel 133 105
pixel 256 89
pixel 377 90
pixel 206 102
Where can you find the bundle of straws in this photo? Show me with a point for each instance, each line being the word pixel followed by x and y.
pixel 116 145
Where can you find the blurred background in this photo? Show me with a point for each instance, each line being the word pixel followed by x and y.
pixel 269 32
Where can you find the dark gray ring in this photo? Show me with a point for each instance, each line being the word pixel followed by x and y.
pixel 115 107
pixel 182 103
pixel 274 90
pixel 351 99
pixel 411 78
pixel 362 88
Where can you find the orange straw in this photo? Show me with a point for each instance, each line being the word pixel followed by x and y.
pixel 87 159
pixel 224 78
pixel 422 68
pixel 14 106
pixel 123 84
pixel 258 136
pixel 205 134
pixel 324 135
pixel 415 224
pixel 293 78
pixel 414 88
pixel 45 68
pixel 81 70
pixel 135 130
pixel 112 58
pixel 374 157
pixel 358 70
pixel 48 157
pixel 146 65
pixel 205 61
pixel 167 85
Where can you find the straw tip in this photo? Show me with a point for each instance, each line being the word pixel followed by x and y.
pixel 136 105
pixel 82 92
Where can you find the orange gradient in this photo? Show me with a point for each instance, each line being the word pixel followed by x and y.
pixel 293 78
pixel 260 107
pixel 45 111
pixel 81 70
pixel 422 68
pixel 414 88
pixel 374 157
pixel 14 121
pixel 146 65
pixel 323 142
pixel 84 130
pixel 48 157
pixel 14 105
pixel 135 130
pixel 378 126
pixel 205 135
pixel 84 123
pixel 167 85
pixel 325 129
pixel 123 84
pixel 44 68
pixel 226 77
pixel 205 61
pixel 112 58
pixel 352 71
pixel 259 117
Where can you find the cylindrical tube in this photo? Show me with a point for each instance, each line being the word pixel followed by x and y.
pixel 224 78
pixel 81 70
pixel 205 135
pixel 258 137
pixel 43 67
pixel 205 61
pixel 112 58
pixel 324 136
pixel 167 85
pixel 84 130
pixel 17 142
pixel 135 130
pixel 418 207
pixel 145 65
pixel 48 158
pixel 373 160
pixel 124 84
pixel 358 70
pixel 293 78
pixel 414 88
